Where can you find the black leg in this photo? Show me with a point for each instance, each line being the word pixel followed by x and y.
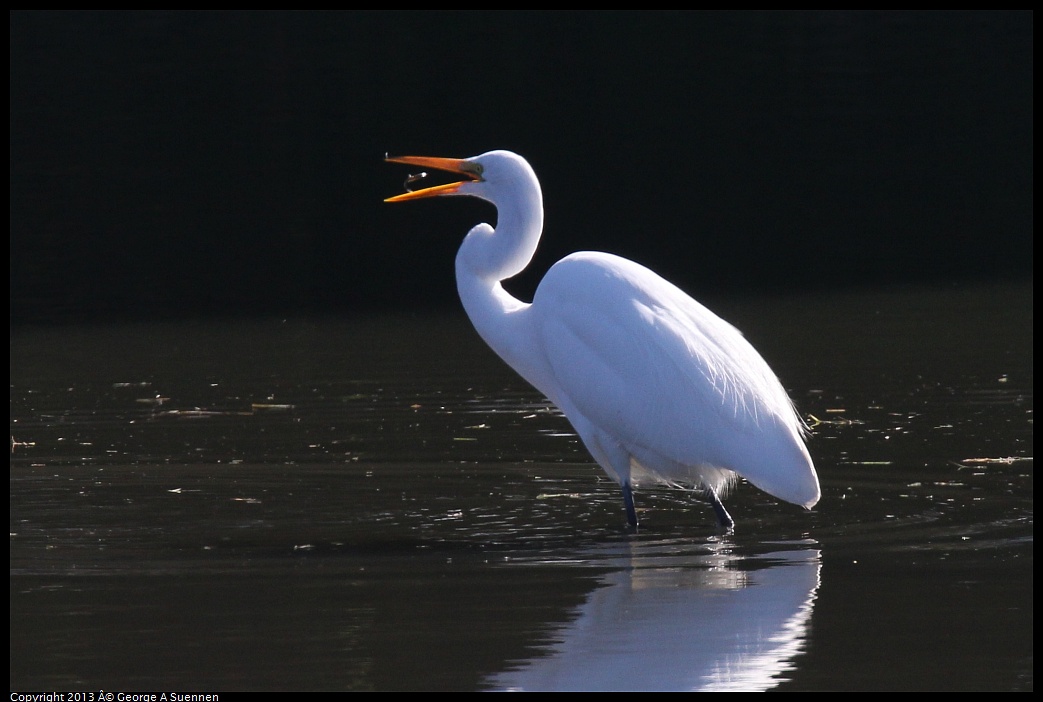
pixel 628 502
pixel 723 518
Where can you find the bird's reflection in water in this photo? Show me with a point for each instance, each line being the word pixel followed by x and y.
pixel 662 622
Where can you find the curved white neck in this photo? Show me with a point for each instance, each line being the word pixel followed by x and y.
pixel 488 256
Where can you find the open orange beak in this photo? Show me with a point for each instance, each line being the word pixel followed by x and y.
pixel 458 166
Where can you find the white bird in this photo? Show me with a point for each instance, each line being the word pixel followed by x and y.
pixel 657 386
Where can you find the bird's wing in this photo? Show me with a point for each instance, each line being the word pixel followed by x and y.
pixel 652 367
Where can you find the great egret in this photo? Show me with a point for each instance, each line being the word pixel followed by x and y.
pixel 657 386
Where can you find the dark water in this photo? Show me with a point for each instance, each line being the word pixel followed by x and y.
pixel 381 504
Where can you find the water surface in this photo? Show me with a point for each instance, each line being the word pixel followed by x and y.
pixel 381 504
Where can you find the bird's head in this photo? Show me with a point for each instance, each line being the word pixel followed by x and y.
pixel 488 176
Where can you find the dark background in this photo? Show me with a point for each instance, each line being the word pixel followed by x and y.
pixel 181 164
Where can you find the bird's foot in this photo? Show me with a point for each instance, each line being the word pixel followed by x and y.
pixel 724 520
pixel 628 502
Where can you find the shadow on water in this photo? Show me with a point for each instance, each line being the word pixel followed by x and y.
pixel 381 504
